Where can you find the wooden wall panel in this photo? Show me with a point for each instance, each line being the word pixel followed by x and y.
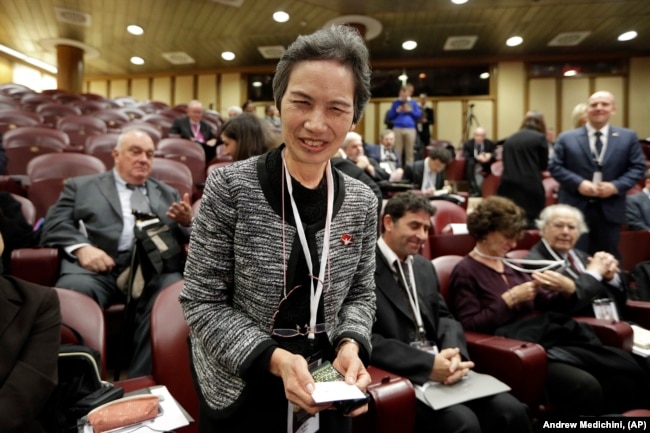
pixel 183 89
pixel 140 89
pixel 574 91
pixel 511 83
pixel 162 89
pixel 542 97
pixel 207 91
pixel 615 85
pixel 638 100
pixel 449 117
pixel 118 88
pixel 484 116
pixel 98 87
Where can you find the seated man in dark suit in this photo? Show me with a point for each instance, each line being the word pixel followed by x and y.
pixel 29 337
pixel 637 208
pixel 384 153
pixel 428 175
pixel 479 156
pixel 416 336
pixel 353 148
pixel 93 224
pixel 582 279
pixel 193 128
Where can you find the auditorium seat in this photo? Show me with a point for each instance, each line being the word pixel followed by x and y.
pixel 47 175
pixel 25 143
pixel 90 106
pixel 52 112
pixel 173 173
pixel 447 213
pixel 12 119
pixel 79 127
pixel 113 117
pixel 148 128
pixel 160 121
pixel 27 208
pixel 189 153
pixel 30 101
pixel 102 146
pixel 133 112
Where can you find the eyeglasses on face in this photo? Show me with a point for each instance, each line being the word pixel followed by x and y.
pixel 300 330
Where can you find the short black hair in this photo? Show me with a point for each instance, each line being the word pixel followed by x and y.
pixel 407 201
pixel 441 154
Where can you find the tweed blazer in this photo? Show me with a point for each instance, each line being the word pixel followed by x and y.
pixel 234 273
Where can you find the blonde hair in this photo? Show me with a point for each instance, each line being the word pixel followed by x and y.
pixel 579 115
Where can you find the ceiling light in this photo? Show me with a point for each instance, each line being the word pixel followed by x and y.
pixel 228 55
pixel 570 73
pixel 32 61
pixel 403 78
pixel 135 30
pixel 459 2
pixel 257 84
pixel 514 41
pixel 409 45
pixel 484 75
pixel 280 17
pixel 627 36
pixel 137 60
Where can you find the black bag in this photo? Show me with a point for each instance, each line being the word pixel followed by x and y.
pixel 79 373
pixel 640 285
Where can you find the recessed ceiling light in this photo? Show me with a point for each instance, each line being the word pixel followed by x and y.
pixel 135 30
pixel 514 41
pixel 257 84
pixel 137 60
pixel 228 55
pixel 409 45
pixel 484 75
pixel 627 36
pixel 459 2
pixel 280 17
pixel 570 73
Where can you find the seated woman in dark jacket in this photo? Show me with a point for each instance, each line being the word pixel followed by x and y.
pixel 487 295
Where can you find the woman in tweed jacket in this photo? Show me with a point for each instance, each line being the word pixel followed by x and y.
pixel 252 277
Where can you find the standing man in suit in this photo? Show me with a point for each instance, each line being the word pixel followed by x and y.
pixel 595 165
pixel 93 224
pixel 637 208
pixel 193 128
pixel 428 175
pixel 479 156
pixel 415 335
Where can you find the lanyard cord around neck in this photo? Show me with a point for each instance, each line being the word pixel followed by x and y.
pixel 557 257
pixel 315 293
pixel 412 293
pixel 544 264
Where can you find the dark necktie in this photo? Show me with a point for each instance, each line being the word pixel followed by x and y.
pixel 139 201
pixel 573 264
pixel 598 144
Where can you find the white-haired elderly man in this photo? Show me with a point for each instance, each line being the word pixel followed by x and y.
pixel 582 278
pixel 353 148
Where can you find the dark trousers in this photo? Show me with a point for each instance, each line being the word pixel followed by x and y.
pixel 603 235
pixel 500 413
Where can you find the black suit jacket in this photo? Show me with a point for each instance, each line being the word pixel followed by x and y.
pixel 587 287
pixel 182 127
pixel 414 173
pixel 395 325
pixel 468 153
pixel 637 211
pixel 30 335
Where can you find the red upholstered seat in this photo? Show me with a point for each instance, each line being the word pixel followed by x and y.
pixel 27 142
pixel 447 213
pixel 173 173
pixel 48 173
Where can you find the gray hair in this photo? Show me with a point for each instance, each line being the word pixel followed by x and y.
pixel 349 137
pixel 338 42
pixel 549 211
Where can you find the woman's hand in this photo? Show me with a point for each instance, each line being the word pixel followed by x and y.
pixel 521 293
pixel 349 364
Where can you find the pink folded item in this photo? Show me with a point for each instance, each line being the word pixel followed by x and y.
pixel 123 412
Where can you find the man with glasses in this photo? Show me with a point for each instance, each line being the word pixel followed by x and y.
pixel 93 225
pixel 582 279
pixel 415 335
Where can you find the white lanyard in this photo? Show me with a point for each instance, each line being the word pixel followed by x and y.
pixel 412 295
pixel 315 294
pixel 557 257
pixel 546 264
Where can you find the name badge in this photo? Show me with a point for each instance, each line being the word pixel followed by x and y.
pixel 598 177
pixel 425 346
